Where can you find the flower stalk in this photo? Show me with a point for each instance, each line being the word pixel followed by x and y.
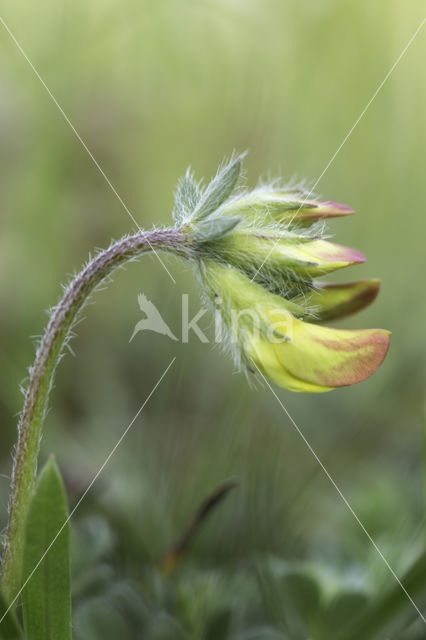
pixel 41 377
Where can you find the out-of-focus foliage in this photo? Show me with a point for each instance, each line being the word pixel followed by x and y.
pixel 153 87
pixel 46 596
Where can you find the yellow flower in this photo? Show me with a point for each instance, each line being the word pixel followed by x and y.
pixel 317 358
pixel 298 355
pixel 259 254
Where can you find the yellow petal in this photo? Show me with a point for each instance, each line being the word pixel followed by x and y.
pixel 317 358
pixel 263 355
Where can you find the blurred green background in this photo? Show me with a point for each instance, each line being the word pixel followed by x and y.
pixel 153 87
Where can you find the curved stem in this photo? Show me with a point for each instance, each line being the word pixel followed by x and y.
pixel 41 377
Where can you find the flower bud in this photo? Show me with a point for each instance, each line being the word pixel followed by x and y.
pixel 256 249
pixel 281 205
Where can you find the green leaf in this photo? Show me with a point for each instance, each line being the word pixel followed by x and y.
pixel 218 625
pixel 300 594
pixel 344 608
pixel 46 597
pixel 291 596
pixel 219 189
pixel 9 626
pixel 215 228
pixel 390 611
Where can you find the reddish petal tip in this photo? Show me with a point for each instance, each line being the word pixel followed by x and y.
pixel 324 209
pixel 336 208
pixel 340 300
pixel 339 253
pixel 353 255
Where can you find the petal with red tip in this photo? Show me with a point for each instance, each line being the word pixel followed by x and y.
pixel 323 209
pixel 285 205
pixel 317 358
pixel 316 257
pixel 334 301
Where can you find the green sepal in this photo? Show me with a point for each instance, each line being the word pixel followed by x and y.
pixel 295 309
pixel 256 207
pixel 219 189
pixel 187 197
pixel 46 596
pixel 214 228
pixel 9 625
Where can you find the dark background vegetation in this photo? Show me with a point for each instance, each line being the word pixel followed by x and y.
pixel 153 87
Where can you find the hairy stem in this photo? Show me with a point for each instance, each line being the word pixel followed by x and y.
pixel 41 377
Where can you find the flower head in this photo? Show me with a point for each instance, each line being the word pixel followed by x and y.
pixel 259 254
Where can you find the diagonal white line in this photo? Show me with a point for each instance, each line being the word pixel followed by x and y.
pixel 330 478
pixel 80 139
pixel 349 133
pixel 367 106
pixel 95 477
